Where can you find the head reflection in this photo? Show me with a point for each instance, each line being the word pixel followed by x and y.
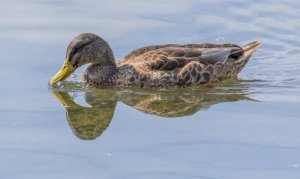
pixel 88 123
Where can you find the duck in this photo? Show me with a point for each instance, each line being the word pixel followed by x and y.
pixel 155 65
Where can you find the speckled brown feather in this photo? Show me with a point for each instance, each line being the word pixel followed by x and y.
pixel 172 65
pixel 162 65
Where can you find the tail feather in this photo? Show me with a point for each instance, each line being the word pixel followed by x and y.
pixel 248 49
pixel 251 47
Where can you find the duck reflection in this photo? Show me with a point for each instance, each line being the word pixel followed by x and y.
pixel 88 123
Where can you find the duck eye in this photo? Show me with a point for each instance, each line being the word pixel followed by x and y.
pixel 75 49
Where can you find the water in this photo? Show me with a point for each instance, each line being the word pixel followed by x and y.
pixel 244 128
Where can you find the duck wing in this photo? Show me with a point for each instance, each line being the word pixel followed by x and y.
pixel 168 57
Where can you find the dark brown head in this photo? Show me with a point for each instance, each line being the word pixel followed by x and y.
pixel 83 49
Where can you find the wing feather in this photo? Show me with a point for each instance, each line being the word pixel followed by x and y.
pixel 168 57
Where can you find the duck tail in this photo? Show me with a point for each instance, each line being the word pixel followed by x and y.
pixel 250 48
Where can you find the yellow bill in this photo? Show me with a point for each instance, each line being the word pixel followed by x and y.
pixel 63 73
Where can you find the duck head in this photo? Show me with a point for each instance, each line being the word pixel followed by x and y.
pixel 83 49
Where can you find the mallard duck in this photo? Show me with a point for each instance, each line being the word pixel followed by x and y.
pixel 156 65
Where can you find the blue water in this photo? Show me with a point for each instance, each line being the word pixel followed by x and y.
pixel 246 128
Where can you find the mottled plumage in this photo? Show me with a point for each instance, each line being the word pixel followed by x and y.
pixel 158 65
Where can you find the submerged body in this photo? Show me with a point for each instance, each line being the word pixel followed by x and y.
pixel 159 65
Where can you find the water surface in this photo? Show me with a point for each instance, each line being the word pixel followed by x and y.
pixel 243 128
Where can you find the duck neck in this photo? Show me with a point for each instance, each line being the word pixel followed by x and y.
pixel 108 62
pixel 106 57
pixel 101 75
